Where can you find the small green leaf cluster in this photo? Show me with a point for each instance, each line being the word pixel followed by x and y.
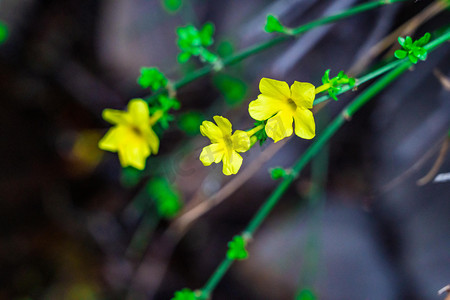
pixel 184 294
pixel 413 50
pixel 4 32
pixel 152 78
pixel 190 122
pixel 277 173
pixel 193 42
pixel 236 248
pixel 337 82
pixel 306 294
pixel 166 198
pixel 232 88
pixel 274 25
pixel 261 135
pixel 172 6
pixel 164 103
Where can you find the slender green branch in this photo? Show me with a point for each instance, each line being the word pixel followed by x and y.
pixel 350 12
pixel 206 70
pixel 363 79
pixel 329 131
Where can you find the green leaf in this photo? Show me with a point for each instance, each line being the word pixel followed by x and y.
pixel 351 81
pixel 332 94
pixel 425 39
pixel 233 89
pixel 423 55
pixel 172 6
pixel 400 54
pixel 412 58
pixel 306 294
pixel 130 177
pixel 326 77
pixel 167 199
pixel 206 34
pixel 207 56
pixel 401 41
pixel 183 57
pixel 277 173
pixel 184 294
pixel 236 248
pixel 273 25
pixel 4 32
pixel 190 122
pixel 408 42
pixel 225 48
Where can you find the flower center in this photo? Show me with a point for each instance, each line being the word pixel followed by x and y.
pixel 228 142
pixel 292 104
pixel 136 130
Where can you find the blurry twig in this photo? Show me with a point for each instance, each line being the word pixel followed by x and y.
pixel 406 29
pixel 437 164
pixel 413 169
pixel 157 260
pixel 445 81
pixel 181 223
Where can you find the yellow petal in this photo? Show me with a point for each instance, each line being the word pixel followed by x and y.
pixel 232 162
pixel 115 116
pixel 303 94
pixel 138 110
pixel 111 140
pixel 212 153
pixel 134 153
pixel 241 141
pixel 305 126
pixel 210 130
pixel 265 107
pixel 279 126
pixel 274 88
pixel 223 124
pixel 152 140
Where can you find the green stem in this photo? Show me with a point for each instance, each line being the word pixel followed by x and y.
pixel 215 278
pixel 347 13
pixel 329 131
pixel 206 70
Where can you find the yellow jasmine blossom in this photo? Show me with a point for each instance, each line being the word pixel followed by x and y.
pixel 282 105
pixel 132 136
pixel 224 145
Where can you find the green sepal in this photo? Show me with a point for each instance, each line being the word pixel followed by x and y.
pixel 236 248
pixel 400 54
pixel 277 173
pixel 273 25
pixel 261 135
pixel 184 294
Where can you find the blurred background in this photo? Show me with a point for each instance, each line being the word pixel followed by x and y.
pixel 355 225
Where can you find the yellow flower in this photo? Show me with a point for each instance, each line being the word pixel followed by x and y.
pixel 224 146
pixel 132 136
pixel 282 105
